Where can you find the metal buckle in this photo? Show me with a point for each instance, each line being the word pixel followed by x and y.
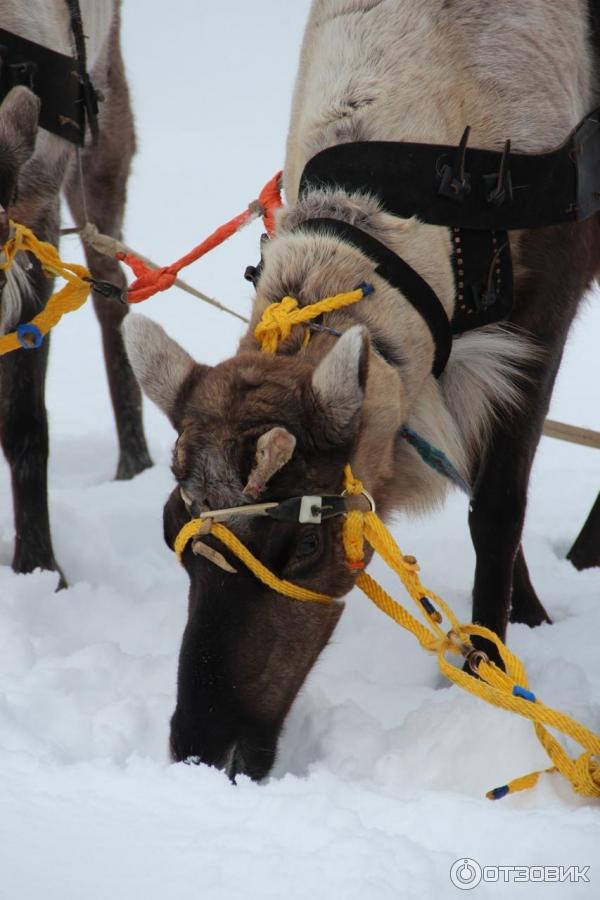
pixel 363 493
pixel 23 73
pixel 108 289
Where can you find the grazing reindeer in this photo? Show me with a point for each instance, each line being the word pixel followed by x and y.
pixel 36 165
pixel 282 425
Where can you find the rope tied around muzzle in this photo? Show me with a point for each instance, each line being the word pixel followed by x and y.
pixel 294 591
pixel 507 689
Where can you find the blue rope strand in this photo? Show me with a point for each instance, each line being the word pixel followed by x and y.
pixel 435 458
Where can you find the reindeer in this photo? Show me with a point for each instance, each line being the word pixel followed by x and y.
pixel 280 425
pixel 36 166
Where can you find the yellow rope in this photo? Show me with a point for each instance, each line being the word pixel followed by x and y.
pixel 505 689
pixel 191 528
pixel 70 297
pixel 493 685
pixel 279 318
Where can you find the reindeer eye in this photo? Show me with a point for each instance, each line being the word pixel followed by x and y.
pixel 308 545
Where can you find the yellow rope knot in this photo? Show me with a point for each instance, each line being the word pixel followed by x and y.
pixel 352 485
pixel 276 324
pixel 353 532
pixel 279 318
pixel 68 298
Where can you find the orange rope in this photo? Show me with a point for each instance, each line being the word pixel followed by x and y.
pixel 151 281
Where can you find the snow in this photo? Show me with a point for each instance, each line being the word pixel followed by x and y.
pixel 380 780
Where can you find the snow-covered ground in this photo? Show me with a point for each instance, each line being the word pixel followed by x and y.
pixel 379 786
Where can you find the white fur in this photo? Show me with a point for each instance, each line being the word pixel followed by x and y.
pixel 160 364
pixel 17 287
pixel 482 379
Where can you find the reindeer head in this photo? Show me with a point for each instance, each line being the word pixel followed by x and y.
pixel 253 425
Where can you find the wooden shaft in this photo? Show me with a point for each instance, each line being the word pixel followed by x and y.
pixel 572 433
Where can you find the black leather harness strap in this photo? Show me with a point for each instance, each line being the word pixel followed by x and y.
pixel 478 194
pixel 52 76
pixel 410 179
pixel 401 276
pixel 89 97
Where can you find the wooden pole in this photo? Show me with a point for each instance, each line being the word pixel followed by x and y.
pixel 572 433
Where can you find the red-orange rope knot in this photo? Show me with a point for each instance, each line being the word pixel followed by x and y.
pixel 150 281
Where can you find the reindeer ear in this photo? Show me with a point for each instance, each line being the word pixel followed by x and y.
pixel 339 381
pixel 19 115
pixel 159 363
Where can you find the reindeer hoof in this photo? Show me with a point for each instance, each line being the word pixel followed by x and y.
pixel 24 564
pixel 533 614
pixel 131 465
pixel 63 584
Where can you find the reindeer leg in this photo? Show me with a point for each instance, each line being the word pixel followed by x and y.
pixel 526 607
pixel 105 171
pixel 557 265
pixel 585 552
pixel 24 438
pixel 496 521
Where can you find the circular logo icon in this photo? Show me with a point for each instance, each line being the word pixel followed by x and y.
pixel 465 874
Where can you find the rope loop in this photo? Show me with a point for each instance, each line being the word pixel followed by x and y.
pixel 586 775
pixel 73 294
pixel 270 201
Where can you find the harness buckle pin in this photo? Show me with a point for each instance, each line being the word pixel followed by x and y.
pixel 499 184
pixel 454 182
